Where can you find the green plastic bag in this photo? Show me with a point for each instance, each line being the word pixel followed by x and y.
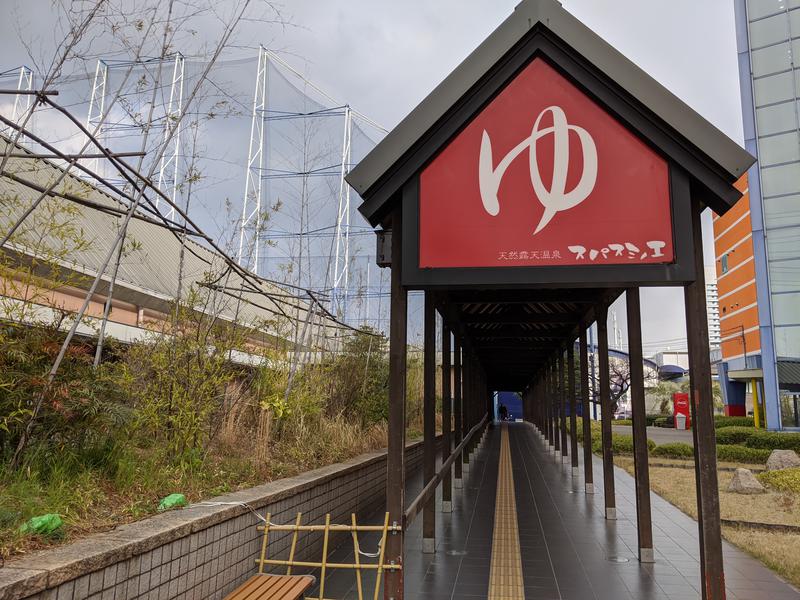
pixel 172 501
pixel 42 525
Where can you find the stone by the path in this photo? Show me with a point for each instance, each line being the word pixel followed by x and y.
pixel 744 482
pixel 782 459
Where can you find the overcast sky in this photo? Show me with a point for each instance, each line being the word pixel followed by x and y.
pixel 382 57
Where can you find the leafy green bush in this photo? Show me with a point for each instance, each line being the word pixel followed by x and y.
pixel 723 421
pixel 742 454
pixel 623 422
pixel 652 418
pixel 620 444
pixel 772 440
pixel 595 426
pixel 660 422
pixel 735 434
pixel 674 450
pixel 787 480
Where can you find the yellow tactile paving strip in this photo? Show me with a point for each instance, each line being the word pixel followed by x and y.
pixel 505 573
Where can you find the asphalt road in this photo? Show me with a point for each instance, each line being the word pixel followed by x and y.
pixel 660 435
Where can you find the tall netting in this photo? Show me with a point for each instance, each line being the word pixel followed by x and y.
pixel 316 237
pixel 309 233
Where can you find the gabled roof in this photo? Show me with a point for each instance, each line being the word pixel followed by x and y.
pixel 730 159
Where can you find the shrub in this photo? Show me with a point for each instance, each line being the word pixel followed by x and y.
pixel 595 425
pixel 620 444
pixel 787 480
pixel 652 418
pixel 772 440
pixel 623 422
pixel 723 421
pixel 742 454
pixel 735 435
pixel 674 450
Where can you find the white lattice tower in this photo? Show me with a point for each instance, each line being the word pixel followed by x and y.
pixel 22 102
pixel 97 105
pixel 341 262
pixel 168 169
pixel 250 223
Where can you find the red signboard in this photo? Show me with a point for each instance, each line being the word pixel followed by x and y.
pixel 544 176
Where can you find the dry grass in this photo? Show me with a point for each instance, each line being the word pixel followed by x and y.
pixel 779 551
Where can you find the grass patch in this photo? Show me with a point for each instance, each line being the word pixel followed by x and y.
pixel 778 551
pixel 95 498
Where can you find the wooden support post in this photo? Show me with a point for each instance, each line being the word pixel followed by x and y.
pixel 550 412
pixel 396 464
pixel 429 422
pixel 458 413
pixel 586 420
pixel 447 421
pixel 641 468
pixel 702 405
pixel 466 373
pixel 555 404
pixel 562 407
pixel 573 409
pixel 607 416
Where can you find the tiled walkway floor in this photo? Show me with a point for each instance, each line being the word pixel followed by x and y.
pixel 569 551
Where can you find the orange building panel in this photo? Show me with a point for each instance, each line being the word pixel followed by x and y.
pixel 733 247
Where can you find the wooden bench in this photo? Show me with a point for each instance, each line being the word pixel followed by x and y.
pixel 268 587
pixel 271 586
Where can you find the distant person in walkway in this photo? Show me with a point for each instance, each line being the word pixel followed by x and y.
pixel 503 412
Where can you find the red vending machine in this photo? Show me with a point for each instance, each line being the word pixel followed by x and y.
pixel 680 404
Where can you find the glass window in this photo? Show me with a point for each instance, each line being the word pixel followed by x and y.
pixel 784 275
pixel 784 179
pixel 790 409
pixel 774 88
pixel 786 309
pixel 779 148
pixel 782 211
pixel 771 59
pixel 724 263
pixel 783 243
pixel 775 119
pixel 787 342
pixel 761 8
pixel 768 31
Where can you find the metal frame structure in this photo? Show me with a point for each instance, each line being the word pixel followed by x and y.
pixel 96 113
pixel 250 224
pixel 23 102
pixel 168 169
pixel 341 261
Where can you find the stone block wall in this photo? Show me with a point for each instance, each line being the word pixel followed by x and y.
pixel 200 552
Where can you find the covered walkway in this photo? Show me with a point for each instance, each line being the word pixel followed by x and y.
pixel 544 178
pixel 567 549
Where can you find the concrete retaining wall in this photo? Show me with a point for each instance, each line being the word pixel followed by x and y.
pixel 199 552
